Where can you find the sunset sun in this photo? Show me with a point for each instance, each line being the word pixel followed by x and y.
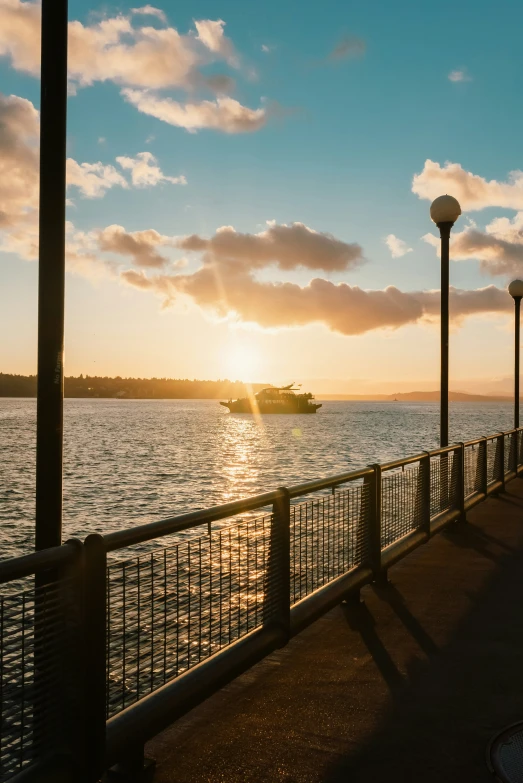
pixel 242 363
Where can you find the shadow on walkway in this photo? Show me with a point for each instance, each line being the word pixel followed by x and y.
pixel 444 712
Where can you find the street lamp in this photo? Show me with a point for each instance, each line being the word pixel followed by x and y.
pixel 444 211
pixel 515 289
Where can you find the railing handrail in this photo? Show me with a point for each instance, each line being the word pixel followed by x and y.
pixel 164 527
pixel 119 539
pixel 36 562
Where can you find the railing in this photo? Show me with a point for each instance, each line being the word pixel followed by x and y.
pixel 104 648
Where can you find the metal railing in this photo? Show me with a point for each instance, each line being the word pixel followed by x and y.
pixel 104 648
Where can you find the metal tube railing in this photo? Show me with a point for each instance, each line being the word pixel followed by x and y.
pixel 158 631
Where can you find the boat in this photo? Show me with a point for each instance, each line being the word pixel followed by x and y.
pixel 275 399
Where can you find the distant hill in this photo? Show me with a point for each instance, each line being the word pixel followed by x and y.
pixel 184 389
pixel 130 388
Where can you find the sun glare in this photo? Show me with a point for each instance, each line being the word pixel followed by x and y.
pixel 242 363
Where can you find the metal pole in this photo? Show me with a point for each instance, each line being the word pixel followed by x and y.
pixel 49 429
pixel 444 230
pixel 517 307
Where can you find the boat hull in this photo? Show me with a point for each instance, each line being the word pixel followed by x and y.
pixel 245 406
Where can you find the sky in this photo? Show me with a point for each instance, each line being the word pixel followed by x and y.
pixel 249 189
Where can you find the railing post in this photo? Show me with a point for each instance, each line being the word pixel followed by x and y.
pixel 484 465
pixel 519 449
pixel 460 457
pixel 513 457
pixel 424 489
pixel 380 576
pixel 95 575
pixel 500 459
pixel 278 591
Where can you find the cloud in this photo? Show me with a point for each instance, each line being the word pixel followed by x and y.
pixel 397 246
pixel 225 284
pixel 210 33
pixel 472 191
pixel 149 10
pixel 349 46
pixel 19 127
pixel 140 58
pixel 289 247
pixel 145 172
pixel 459 76
pixel 266 48
pixel 499 248
pixel 93 179
pixel 346 309
pixel 140 245
pixel 225 114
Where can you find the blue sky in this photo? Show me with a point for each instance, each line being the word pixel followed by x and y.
pixel 342 142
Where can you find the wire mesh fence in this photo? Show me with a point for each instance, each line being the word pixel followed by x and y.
pixel 39 641
pixel 493 460
pixel 474 461
pixel 444 482
pixel 401 503
pixel 171 609
pixel 329 537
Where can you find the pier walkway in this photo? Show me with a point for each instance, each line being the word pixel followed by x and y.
pixel 408 686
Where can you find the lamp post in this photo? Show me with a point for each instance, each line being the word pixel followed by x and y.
pixel 515 289
pixel 49 427
pixel 444 211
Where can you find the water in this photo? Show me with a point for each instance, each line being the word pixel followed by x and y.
pixel 134 461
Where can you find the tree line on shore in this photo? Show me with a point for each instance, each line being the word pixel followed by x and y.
pixel 130 388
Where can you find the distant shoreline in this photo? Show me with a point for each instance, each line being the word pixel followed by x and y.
pixel 101 387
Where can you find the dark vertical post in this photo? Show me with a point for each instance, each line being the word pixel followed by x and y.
pixel 380 576
pixel 444 230
pixel 49 430
pixel 517 307
pixel 424 492
pixel 460 456
pixel 94 610
pixel 277 609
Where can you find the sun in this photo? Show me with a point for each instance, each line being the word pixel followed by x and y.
pixel 242 363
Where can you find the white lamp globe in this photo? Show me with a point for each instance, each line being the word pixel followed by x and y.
pixel 515 288
pixel 445 209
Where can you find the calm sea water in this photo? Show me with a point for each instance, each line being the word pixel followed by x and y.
pixel 129 462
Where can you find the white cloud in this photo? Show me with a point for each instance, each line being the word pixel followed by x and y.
pixel 225 114
pixel 140 245
pixel 210 33
pixel 266 49
pixel 145 172
pixel 472 191
pixel 93 179
pixel 460 75
pixel 19 127
pixel 149 10
pixel 142 57
pixel 398 247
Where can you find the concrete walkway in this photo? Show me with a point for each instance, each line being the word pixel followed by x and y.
pixel 408 686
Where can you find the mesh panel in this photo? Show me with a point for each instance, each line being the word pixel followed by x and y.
pixel 493 460
pixel 39 640
pixel 474 461
pixel 401 503
pixel 520 448
pixel 329 536
pixel 510 452
pixel 172 608
pixel 444 482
